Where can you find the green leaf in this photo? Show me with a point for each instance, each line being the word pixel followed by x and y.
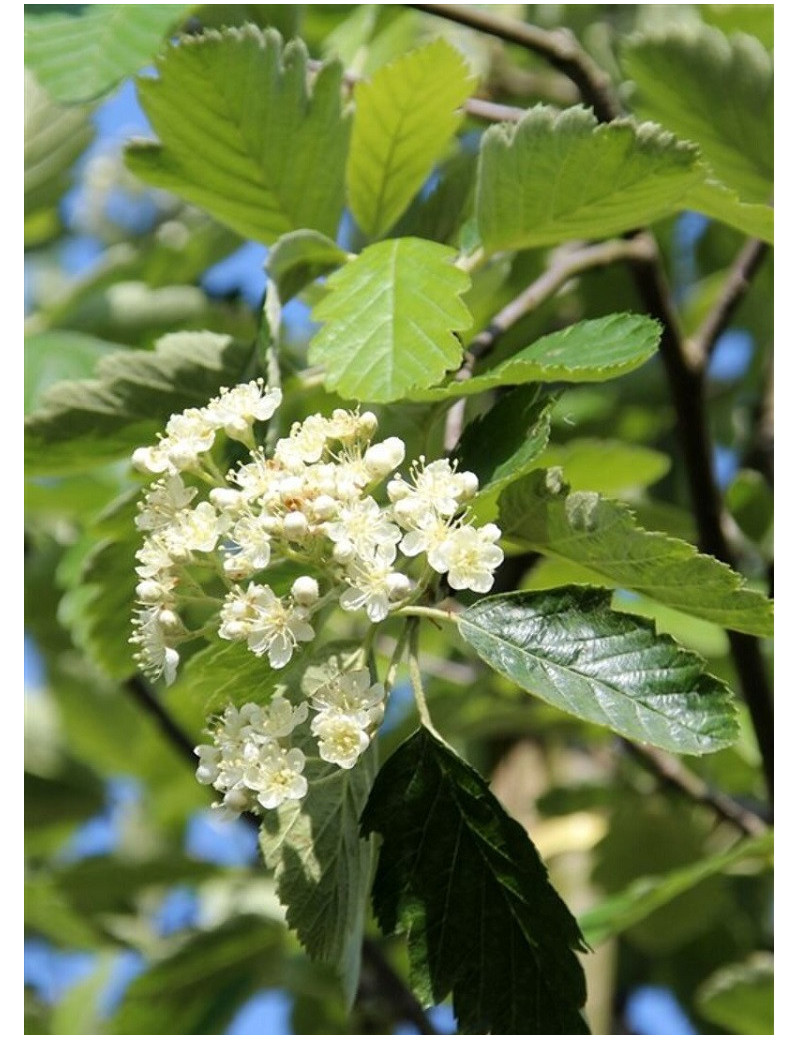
pixel 300 257
pixel 506 442
pixel 740 997
pixel 750 501
pixel 568 647
pixel 242 137
pixel 87 422
pixel 465 882
pixel 636 902
pixel 389 318
pixel 606 466
pixel 585 528
pixel 98 607
pixel 556 176
pixel 405 118
pixel 51 357
pixel 322 865
pixel 716 91
pixel 587 352
pixel 81 57
pixel 719 202
pixel 197 989
pixel 54 138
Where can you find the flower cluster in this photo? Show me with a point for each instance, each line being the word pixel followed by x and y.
pixel 314 508
pixel 250 760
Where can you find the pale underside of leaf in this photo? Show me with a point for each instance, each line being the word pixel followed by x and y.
pixel 557 176
pixel 602 535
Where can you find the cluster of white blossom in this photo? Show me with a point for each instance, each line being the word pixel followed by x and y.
pixel 313 504
pixel 250 760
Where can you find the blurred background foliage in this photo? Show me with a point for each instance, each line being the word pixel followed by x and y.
pixel 143 913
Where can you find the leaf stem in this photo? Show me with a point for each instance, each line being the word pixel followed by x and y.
pixel 416 682
pixel 428 612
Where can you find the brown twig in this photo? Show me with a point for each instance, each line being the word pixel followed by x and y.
pixel 673 773
pixel 558 46
pixel 737 283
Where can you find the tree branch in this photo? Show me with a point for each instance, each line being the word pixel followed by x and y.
pixel 568 262
pixel 685 378
pixel 671 772
pixel 736 285
pixel 558 46
pixel 391 987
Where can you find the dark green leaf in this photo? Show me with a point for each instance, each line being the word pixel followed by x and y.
pixel 464 881
pixel 81 56
pixel 716 91
pixel 389 318
pixel 504 443
pixel 556 176
pixel 242 137
pixel 587 352
pixel 298 258
pixel 593 531
pixel 570 648
pixel 135 392
pixel 405 118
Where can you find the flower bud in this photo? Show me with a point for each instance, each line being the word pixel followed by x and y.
pixel 382 458
pixel 305 591
pixel 398 585
pixel 295 526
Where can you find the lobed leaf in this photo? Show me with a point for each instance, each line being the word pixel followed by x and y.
pixel 322 864
pixel 556 176
pixel 587 352
pixel 405 117
pixel 570 648
pixel 719 202
pixel 389 318
pixel 465 882
pixel 585 528
pixel 79 57
pixel 714 90
pixel 242 136
pixel 87 422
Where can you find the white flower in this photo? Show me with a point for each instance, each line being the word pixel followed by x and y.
pixel 436 490
pixel 469 556
pixel 341 739
pixel 305 443
pixel 236 410
pixel 275 775
pixel 195 530
pixel 350 693
pixel 269 626
pixel 189 434
pixel 154 558
pixel 282 717
pixel 208 768
pixel 363 530
pixel 431 533
pixel 162 502
pixel 370 586
pixel 155 656
pixel 251 534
